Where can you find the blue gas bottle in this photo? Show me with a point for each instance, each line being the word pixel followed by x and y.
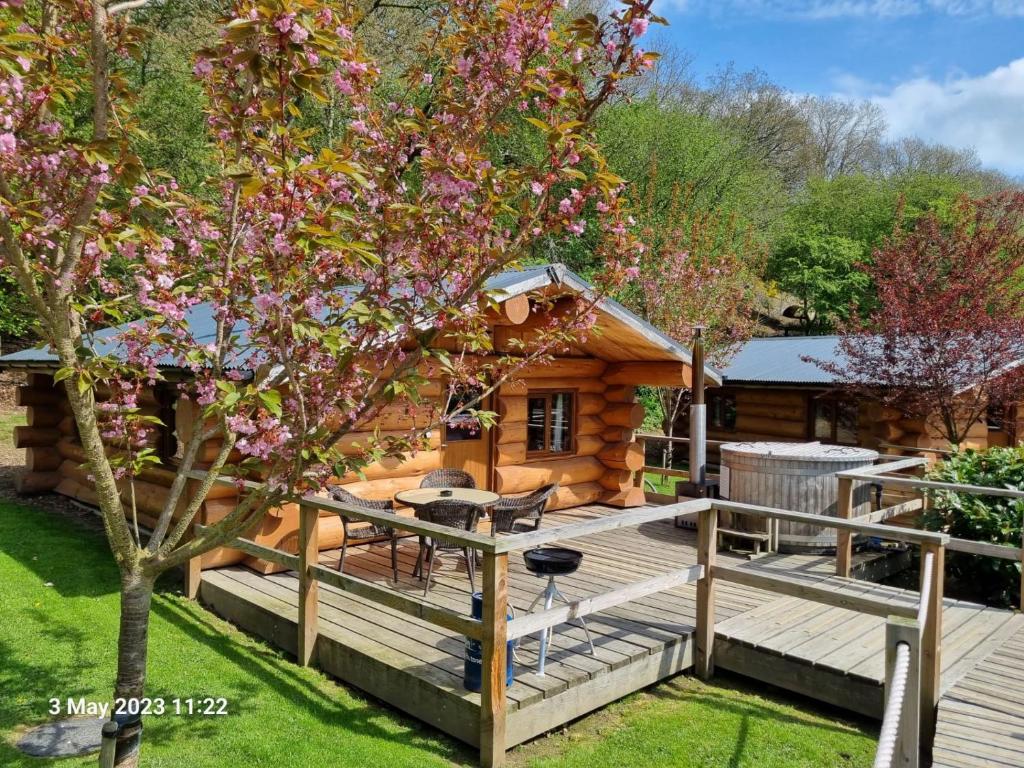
pixel 472 675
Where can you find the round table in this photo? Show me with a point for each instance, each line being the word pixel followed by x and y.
pixel 420 497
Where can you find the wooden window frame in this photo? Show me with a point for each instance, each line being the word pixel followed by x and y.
pixel 548 394
pixel 835 399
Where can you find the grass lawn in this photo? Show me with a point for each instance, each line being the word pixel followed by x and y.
pixel 661 483
pixel 58 589
pixel 8 421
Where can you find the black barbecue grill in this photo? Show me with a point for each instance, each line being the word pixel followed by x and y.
pixel 552 561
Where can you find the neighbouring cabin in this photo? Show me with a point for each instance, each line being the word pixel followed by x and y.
pixel 569 421
pixel 770 392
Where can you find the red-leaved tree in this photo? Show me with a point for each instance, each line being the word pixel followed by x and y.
pixel 946 338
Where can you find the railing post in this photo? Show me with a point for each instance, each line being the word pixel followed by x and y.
pixel 931 644
pixel 899 630
pixel 495 648
pixel 193 577
pixel 309 587
pixel 707 546
pixel 844 539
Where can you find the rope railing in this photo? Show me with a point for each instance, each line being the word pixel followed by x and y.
pixel 892 721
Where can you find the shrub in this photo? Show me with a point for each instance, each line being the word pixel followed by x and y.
pixel 992 519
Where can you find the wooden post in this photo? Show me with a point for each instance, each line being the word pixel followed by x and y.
pixel 899 630
pixel 193 577
pixel 931 646
pixel 493 660
pixel 844 539
pixel 707 545
pixel 309 587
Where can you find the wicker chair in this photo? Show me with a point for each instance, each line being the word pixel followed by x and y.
pixel 368 532
pixel 454 514
pixel 514 514
pixel 448 478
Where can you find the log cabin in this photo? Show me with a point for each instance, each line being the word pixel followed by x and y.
pixel 570 421
pixel 770 392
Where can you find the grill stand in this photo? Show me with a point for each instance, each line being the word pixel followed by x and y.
pixel 549 595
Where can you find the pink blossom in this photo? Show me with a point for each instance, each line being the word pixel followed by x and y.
pixel 638 27
pixel 8 143
pixel 203 67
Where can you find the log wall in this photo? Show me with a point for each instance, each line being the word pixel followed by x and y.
pixel 602 468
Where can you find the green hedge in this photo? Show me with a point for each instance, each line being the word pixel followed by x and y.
pixel 981 518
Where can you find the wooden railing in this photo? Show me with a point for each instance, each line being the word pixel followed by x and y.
pixel 879 475
pixel 494 630
pixel 926 615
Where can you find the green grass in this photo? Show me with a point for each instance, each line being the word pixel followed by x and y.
pixel 8 421
pixel 58 589
pixel 661 483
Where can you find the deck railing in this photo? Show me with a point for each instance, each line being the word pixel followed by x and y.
pixel 494 630
pixel 925 615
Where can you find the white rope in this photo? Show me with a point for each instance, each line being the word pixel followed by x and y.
pixel 893 708
pixel 927 567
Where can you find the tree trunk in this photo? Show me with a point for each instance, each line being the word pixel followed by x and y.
pixel 133 640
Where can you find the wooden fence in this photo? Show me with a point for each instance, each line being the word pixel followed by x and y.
pixel 494 630
pixel 927 615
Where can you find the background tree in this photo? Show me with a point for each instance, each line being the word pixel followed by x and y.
pixel 698 269
pixel 943 342
pixel 328 273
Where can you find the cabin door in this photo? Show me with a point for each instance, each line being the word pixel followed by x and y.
pixel 466 446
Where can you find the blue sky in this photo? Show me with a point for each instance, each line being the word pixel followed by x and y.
pixel 946 70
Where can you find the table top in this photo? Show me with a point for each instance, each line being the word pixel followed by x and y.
pixel 422 496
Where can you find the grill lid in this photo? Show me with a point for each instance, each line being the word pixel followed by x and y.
pixel 552 561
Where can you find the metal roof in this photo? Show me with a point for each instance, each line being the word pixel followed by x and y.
pixel 505 284
pixel 777 360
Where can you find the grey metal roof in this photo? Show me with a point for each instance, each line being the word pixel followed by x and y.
pixel 777 360
pixel 506 284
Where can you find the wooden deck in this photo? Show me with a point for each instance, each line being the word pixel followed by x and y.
pixel 829 653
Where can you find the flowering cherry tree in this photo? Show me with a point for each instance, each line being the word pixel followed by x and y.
pixel 699 271
pixel 946 337
pixel 327 272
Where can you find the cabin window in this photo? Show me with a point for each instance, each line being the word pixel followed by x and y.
pixel 834 420
pixel 550 422
pixel 722 412
pixel 463 426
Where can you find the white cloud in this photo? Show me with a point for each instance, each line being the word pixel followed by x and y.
pixel 835 9
pixel 985 113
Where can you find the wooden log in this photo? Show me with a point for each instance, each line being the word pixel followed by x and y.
pixel 37 396
pixel 511 409
pixel 401 417
pixel 406 465
pixel 776 412
pixel 42 416
pixel 655 374
pixel 628 497
pixel 628 456
pixel 777 427
pixel 589 404
pixel 35 437
pixel 39 380
pixel 589 445
pixel 512 311
pixel 75 490
pixel 382 489
pixel 67 426
pixel 355 443
pixel 44 459
pixel 620 394
pixel 770 396
pixel 520 387
pixel 509 454
pixel 587 425
pixel 617 435
pixel 617 480
pixel 529 477
pixel 26 483
pixel 511 433
pixel 629 415
pixel 494 647
pixel 564 368
pixel 577 495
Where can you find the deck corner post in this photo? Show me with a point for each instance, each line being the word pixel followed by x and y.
pixel 707 544
pixel 844 538
pixel 931 645
pixel 494 660
pixel 193 577
pixel 309 587
pixel 899 631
